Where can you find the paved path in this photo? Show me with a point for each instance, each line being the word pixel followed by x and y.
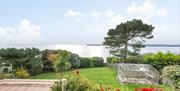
pixel 25 85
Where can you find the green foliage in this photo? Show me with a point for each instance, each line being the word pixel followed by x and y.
pixel 47 64
pixel 130 59
pixel 104 75
pixel 134 59
pixel 129 34
pixel 62 65
pixel 36 66
pixel 22 73
pixel 171 76
pixel 52 58
pixel 113 60
pixel 18 57
pixel 97 61
pixel 76 83
pixel 160 60
pixel 86 62
pixel 80 83
pixel 7 76
pixel 75 60
pixel 57 86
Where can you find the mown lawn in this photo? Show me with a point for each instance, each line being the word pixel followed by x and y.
pixel 103 75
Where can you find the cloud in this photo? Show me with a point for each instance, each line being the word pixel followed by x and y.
pixel 104 14
pixel 116 19
pixel 23 33
pixel 109 13
pixel 147 9
pixel 96 14
pixel 74 14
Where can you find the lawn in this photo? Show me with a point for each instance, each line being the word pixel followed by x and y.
pixel 104 75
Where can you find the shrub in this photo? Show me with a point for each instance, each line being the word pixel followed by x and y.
pixel 22 73
pixel 74 60
pixel 130 59
pixel 7 76
pixel 62 65
pixel 97 61
pixel 108 59
pixel 160 60
pixel 85 62
pixel 134 59
pixel 79 83
pixel 113 60
pixel 57 86
pixel 36 66
pixel 47 64
pixel 76 83
pixel 171 76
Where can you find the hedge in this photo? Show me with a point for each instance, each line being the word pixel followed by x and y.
pixel 98 61
pixel 86 62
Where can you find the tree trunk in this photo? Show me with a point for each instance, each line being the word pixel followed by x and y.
pixel 126 50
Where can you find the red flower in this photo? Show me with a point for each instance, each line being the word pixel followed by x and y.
pixel 118 89
pixel 148 89
pixel 145 89
pixel 102 89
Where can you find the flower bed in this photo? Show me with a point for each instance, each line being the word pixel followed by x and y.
pixel 149 89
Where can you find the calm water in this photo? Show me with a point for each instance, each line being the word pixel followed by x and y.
pixel 93 50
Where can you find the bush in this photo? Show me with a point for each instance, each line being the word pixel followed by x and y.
pixel 97 61
pixel 79 83
pixel 131 59
pixel 22 73
pixel 85 62
pixel 113 60
pixel 62 65
pixel 47 64
pixel 6 76
pixel 76 83
pixel 74 60
pixel 57 86
pixel 161 60
pixel 36 66
pixel 134 59
pixel 171 76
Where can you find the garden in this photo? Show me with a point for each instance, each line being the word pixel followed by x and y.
pixel 57 64
pixel 96 73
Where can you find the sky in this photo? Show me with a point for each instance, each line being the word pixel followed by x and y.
pixel 84 21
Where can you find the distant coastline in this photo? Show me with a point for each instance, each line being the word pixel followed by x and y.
pixel 147 45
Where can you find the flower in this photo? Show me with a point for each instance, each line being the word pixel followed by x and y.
pixel 148 89
pixel 102 89
pixel 77 72
pixel 118 89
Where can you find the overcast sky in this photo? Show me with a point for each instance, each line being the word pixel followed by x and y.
pixel 84 21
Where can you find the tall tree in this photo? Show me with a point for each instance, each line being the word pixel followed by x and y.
pixel 129 34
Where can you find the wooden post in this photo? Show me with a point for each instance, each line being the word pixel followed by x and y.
pixel 64 84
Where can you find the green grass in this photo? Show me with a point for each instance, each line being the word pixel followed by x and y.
pixel 104 75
